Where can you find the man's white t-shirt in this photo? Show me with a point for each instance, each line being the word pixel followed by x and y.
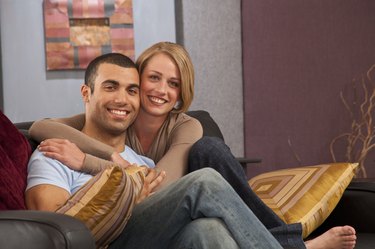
pixel 44 170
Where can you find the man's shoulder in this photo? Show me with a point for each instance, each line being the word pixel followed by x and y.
pixel 39 156
pixel 45 170
pixel 131 156
pixel 39 160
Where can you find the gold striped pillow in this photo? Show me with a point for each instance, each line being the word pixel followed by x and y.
pixel 304 195
pixel 104 204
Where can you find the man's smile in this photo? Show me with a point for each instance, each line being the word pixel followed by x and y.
pixel 117 112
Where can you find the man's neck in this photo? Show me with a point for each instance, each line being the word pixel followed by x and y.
pixel 115 141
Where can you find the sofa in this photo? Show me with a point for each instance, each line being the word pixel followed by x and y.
pixel 355 208
pixel 35 229
pixel 27 229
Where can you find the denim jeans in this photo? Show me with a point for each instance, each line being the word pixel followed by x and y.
pixel 200 210
pixel 204 233
pixel 212 152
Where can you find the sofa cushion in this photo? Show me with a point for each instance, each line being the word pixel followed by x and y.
pixel 104 204
pixel 14 155
pixel 304 195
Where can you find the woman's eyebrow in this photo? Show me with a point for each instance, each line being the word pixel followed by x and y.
pixel 154 71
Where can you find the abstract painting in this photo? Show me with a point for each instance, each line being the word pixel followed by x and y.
pixel 77 31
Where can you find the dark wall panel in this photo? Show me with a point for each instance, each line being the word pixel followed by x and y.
pixel 1 79
pixel 298 55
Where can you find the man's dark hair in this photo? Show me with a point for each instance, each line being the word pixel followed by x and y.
pixel 111 58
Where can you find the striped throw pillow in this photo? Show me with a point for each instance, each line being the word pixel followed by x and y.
pixel 305 195
pixel 104 204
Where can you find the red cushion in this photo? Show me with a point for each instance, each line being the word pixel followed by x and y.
pixel 14 155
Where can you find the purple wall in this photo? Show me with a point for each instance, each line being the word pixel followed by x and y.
pixel 298 55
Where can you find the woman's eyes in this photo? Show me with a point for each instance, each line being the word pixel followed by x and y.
pixel 174 84
pixel 171 83
pixel 154 77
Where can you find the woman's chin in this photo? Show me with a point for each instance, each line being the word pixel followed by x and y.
pixel 157 111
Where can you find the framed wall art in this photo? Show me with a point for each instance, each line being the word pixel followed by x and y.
pixel 77 31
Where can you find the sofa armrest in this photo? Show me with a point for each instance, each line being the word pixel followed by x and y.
pixel 356 208
pixel 244 161
pixel 23 229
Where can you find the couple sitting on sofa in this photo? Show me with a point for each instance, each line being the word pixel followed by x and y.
pixel 199 210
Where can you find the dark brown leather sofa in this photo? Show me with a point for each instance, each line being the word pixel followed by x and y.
pixel 356 207
pixel 26 229
pixel 33 229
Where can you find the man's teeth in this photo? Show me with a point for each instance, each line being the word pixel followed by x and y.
pixel 157 100
pixel 118 112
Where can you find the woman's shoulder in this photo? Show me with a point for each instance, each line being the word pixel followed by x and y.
pixel 181 123
pixel 184 119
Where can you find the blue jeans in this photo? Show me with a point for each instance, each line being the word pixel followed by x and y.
pixel 212 152
pixel 200 210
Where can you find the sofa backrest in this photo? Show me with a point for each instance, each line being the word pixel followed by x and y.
pixel 210 127
pixel 23 127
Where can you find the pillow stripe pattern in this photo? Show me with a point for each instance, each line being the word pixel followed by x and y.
pixel 304 195
pixel 104 204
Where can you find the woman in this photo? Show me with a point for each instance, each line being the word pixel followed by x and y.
pixel 165 134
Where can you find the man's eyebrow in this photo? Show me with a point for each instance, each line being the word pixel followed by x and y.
pixel 115 82
pixel 111 81
pixel 133 85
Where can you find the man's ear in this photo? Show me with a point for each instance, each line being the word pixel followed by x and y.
pixel 85 92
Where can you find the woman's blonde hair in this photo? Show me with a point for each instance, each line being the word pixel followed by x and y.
pixel 184 64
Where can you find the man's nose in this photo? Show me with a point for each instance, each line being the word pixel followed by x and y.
pixel 121 97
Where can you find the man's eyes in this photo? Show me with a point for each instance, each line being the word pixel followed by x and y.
pixel 110 87
pixel 133 90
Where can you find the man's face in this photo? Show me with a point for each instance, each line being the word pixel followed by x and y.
pixel 114 104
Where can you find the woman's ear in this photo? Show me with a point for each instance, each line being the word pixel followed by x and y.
pixel 85 92
pixel 178 105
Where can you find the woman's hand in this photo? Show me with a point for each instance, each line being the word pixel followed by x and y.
pixel 64 151
pixel 152 180
pixel 116 158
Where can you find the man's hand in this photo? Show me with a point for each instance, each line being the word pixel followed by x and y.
pixel 64 151
pixel 153 179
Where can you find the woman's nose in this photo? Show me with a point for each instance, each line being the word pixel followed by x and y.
pixel 162 87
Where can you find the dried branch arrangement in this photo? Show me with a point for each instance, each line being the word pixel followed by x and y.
pixel 360 139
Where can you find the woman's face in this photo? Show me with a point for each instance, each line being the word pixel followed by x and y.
pixel 160 85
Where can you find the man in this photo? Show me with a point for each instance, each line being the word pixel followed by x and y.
pixel 199 211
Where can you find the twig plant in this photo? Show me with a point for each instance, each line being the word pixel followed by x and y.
pixel 359 140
